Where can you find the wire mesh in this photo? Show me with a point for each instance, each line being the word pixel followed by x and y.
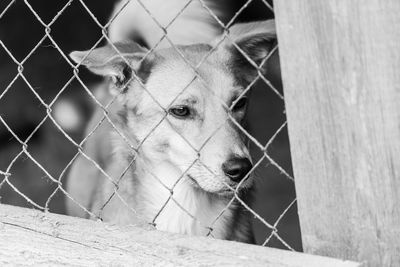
pixel 75 76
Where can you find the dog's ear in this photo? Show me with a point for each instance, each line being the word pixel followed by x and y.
pixel 119 66
pixel 254 41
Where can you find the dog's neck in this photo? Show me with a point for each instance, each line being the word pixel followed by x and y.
pixel 178 206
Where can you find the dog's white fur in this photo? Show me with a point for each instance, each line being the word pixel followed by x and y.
pixel 167 156
pixel 193 25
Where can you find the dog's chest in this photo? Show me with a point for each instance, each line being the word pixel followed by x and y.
pixel 187 211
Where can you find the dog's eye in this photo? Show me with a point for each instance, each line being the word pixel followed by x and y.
pixel 180 112
pixel 240 104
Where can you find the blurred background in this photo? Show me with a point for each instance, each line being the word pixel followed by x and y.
pixel 49 76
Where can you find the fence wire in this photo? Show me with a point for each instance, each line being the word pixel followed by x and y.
pixel 7 174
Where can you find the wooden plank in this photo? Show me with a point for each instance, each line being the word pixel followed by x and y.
pixel 340 62
pixel 31 237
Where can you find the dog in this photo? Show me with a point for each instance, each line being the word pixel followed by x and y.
pixel 171 150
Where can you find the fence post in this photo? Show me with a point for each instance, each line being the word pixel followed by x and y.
pixel 340 63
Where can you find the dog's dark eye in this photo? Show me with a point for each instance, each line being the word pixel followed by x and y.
pixel 180 112
pixel 240 104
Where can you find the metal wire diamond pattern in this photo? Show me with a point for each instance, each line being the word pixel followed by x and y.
pixel 106 116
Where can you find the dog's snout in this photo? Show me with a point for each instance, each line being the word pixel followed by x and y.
pixel 237 168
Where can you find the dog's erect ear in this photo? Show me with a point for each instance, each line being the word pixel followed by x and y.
pixel 254 41
pixel 106 61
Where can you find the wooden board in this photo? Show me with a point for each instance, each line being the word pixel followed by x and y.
pixel 31 237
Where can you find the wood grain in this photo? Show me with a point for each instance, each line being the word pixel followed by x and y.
pixel 340 63
pixel 31 237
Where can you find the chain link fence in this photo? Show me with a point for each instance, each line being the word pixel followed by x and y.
pixel 37 147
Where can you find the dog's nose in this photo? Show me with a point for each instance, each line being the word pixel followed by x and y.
pixel 237 168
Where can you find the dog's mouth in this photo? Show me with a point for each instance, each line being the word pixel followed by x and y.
pixel 193 181
pixel 223 192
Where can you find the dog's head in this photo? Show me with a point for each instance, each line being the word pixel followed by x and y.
pixel 188 122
